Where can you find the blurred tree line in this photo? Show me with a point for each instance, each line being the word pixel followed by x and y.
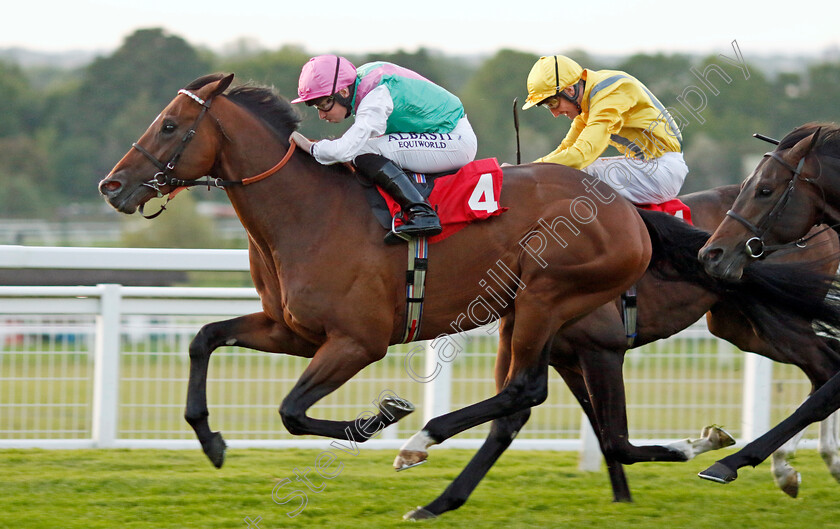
pixel 57 140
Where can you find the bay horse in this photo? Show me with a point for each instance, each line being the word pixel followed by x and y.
pixel 332 292
pixel 795 186
pixel 589 355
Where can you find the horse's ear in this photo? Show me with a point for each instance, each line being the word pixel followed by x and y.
pixel 814 139
pixel 802 147
pixel 223 85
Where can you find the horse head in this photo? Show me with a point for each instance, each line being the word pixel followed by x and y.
pixel 778 203
pixel 165 157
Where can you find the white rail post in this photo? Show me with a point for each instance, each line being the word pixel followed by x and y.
pixel 437 393
pixel 590 449
pixel 758 376
pixel 106 370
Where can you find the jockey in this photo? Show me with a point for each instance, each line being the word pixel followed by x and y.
pixel 402 121
pixel 611 108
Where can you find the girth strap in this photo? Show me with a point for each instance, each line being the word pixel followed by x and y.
pixel 415 286
pixel 628 314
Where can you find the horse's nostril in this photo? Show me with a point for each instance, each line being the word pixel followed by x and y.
pixel 109 187
pixel 711 255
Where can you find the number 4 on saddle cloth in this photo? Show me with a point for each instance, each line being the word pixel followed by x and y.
pixel 460 198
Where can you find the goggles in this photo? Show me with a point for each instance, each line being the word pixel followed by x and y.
pixel 324 104
pixel 550 103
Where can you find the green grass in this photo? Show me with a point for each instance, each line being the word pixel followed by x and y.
pixel 180 489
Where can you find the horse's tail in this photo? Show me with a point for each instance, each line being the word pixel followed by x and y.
pixel 782 300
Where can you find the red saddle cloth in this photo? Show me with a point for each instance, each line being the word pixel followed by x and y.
pixel 469 195
pixel 674 207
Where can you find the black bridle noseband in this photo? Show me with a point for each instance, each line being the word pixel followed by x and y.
pixel 755 247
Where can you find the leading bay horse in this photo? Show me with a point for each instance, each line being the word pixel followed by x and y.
pixel 795 187
pixel 332 292
pixel 589 355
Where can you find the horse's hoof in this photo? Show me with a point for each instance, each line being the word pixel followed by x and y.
pixel 419 514
pixel 409 458
pixel 719 473
pixel 790 484
pixel 719 437
pixel 215 449
pixel 834 469
pixel 397 408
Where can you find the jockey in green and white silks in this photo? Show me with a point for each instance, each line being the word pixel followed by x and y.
pixel 403 121
pixel 405 118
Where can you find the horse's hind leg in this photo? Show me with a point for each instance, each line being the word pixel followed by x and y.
pixel 255 331
pixel 602 371
pixel 502 432
pixel 526 386
pixel 618 479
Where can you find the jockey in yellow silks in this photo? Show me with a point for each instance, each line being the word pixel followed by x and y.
pixel 610 107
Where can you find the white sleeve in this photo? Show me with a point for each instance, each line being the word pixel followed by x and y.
pixel 371 120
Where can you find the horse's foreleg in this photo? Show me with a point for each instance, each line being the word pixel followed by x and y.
pixel 336 362
pixel 818 407
pixel 785 476
pixel 828 444
pixel 255 331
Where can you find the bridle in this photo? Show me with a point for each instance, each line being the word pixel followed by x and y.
pixel 164 175
pixel 755 247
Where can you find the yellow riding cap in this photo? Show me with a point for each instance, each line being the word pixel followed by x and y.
pixel 549 76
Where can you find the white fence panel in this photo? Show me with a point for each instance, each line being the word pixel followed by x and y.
pixel 108 365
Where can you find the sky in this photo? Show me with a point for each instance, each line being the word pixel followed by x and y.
pixel 455 27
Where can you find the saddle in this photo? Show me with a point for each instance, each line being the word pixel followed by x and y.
pixel 459 198
pixel 675 207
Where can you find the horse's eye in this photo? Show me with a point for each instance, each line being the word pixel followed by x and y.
pixel 168 127
pixel 763 192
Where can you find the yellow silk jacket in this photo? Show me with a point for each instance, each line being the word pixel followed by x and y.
pixel 616 109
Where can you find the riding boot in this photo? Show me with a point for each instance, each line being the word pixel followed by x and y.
pixel 419 219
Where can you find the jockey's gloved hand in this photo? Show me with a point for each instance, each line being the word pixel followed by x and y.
pixel 302 141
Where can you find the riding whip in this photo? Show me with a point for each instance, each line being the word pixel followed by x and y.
pixel 516 126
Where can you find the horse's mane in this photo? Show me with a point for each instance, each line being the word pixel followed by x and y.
pixel 828 142
pixel 262 101
pixel 768 293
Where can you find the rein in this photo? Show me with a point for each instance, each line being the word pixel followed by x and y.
pixel 755 246
pixel 164 175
